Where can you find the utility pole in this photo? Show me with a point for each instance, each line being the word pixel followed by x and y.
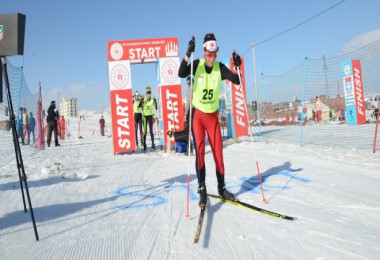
pixel 325 72
pixel 255 83
pixel 58 101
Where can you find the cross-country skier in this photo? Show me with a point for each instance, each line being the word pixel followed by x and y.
pixel 137 116
pixel 147 104
pixel 208 76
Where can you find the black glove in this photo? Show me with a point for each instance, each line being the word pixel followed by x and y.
pixel 236 58
pixel 190 47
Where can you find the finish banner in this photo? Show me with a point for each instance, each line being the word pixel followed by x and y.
pixel 239 97
pixel 353 92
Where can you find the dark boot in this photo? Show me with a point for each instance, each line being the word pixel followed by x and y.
pixel 225 194
pixel 202 194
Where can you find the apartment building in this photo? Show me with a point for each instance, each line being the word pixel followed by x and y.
pixel 69 107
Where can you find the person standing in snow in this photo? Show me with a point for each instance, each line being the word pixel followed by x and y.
pixel 137 116
pixel 62 123
pixel 147 104
pixel 52 117
pixel 318 108
pixel 25 120
pixel 20 125
pixel 208 76
pixel 102 124
pixel 32 125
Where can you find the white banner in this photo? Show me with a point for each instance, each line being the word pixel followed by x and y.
pixel 119 73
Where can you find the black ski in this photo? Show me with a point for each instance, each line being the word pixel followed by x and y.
pixel 251 207
pixel 199 226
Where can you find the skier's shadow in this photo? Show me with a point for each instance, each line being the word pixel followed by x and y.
pixel 180 179
pixel 212 208
pixel 250 184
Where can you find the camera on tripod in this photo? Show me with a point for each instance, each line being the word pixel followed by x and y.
pixel 12 31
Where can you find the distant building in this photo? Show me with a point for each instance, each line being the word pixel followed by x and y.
pixel 69 107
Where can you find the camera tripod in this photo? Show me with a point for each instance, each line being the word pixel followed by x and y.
pixel 20 164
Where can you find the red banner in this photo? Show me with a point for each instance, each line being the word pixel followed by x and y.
pixel 172 109
pixel 144 50
pixel 122 120
pixel 238 103
pixel 359 92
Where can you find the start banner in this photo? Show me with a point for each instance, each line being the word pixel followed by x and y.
pixel 239 97
pixel 353 92
pixel 144 50
pixel 122 121
pixel 172 108
pixel 121 106
pixel 121 54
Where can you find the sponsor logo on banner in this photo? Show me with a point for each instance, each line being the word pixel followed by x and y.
pixel 171 108
pixel 119 75
pixel 353 92
pixel 116 51
pixel 348 86
pixel 122 121
pixel 238 103
pixel 169 71
pixel 348 81
pixel 145 50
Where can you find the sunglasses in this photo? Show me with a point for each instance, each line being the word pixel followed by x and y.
pixel 210 54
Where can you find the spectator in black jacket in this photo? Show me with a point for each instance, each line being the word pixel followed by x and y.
pixel 52 117
pixel 376 113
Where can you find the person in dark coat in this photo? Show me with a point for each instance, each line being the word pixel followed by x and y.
pixel 102 124
pixel 52 117
pixel 32 125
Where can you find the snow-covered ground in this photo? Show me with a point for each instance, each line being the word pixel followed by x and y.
pixel 90 204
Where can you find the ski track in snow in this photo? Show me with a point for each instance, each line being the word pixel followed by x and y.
pixel 90 204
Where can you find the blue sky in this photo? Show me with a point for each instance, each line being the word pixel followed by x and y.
pixel 66 41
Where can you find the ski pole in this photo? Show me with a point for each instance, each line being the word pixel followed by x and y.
pixel 376 128
pixel 189 140
pixel 253 146
pixel 173 121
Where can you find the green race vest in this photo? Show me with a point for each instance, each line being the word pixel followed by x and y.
pixel 148 106
pixel 136 107
pixel 207 87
